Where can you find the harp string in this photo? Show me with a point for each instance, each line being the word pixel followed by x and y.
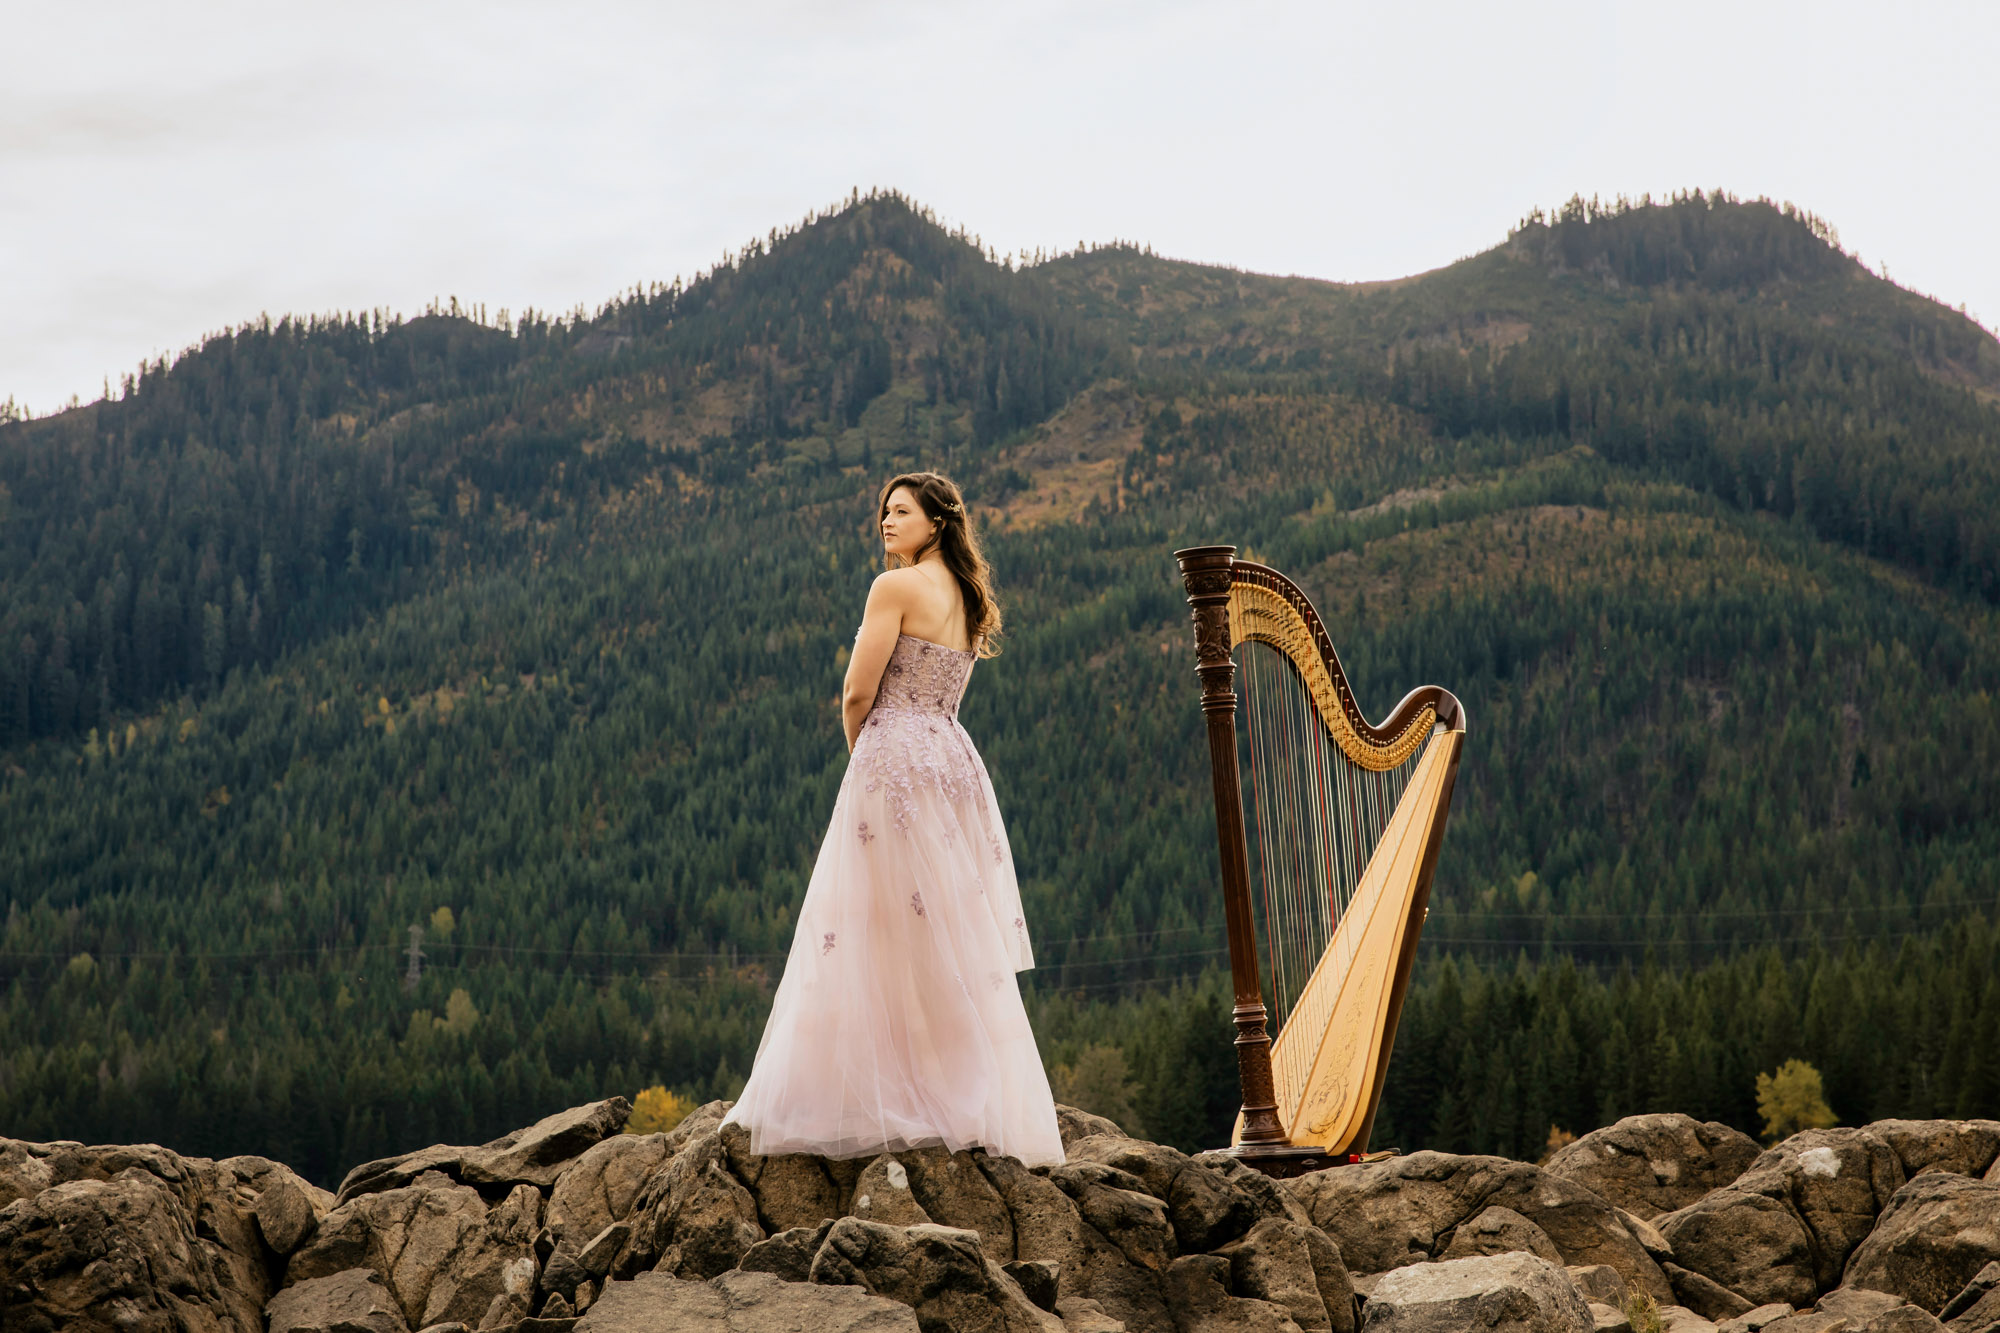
pixel 1316 817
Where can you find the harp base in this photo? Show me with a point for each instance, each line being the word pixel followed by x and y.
pixel 1283 1161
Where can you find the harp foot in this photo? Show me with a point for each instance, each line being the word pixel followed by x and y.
pixel 1283 1161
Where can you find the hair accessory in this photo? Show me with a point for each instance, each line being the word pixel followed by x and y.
pixel 954 508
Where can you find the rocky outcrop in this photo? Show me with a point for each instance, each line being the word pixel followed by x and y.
pixel 741 1303
pixel 532 1156
pixel 569 1224
pixel 126 1235
pixel 1937 1235
pixel 1654 1164
pixel 351 1301
pixel 443 1254
pixel 1407 1210
pixel 1507 1293
pixel 1783 1230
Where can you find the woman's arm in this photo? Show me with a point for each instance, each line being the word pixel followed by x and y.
pixel 880 624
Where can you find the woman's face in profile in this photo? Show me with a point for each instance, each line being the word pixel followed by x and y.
pixel 905 526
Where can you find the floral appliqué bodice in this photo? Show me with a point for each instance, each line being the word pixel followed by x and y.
pixel 911 737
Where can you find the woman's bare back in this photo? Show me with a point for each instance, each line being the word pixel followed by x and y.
pixel 936 609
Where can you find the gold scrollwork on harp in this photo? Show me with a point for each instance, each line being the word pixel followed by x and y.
pixel 1259 615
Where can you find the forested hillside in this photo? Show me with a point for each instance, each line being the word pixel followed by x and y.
pixel 528 632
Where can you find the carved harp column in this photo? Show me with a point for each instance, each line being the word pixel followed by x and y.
pixel 1326 886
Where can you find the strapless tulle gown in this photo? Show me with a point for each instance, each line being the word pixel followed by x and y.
pixel 898 1023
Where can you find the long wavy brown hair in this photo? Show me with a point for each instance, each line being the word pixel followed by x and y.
pixel 939 498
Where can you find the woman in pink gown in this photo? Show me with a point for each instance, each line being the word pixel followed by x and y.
pixel 898 1023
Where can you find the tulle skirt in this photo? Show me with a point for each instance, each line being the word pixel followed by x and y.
pixel 898 1022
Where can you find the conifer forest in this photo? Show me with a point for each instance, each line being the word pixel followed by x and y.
pixel 409 727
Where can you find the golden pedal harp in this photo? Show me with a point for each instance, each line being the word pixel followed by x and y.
pixel 1346 820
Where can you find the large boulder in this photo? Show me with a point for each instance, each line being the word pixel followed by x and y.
pixel 1783 1230
pixel 1209 1203
pixel 600 1186
pixel 443 1253
pixel 882 1194
pixel 1654 1164
pixel 535 1155
pixel 1197 1289
pixel 351 1301
pixel 1505 1293
pixel 1937 1234
pixel 128 1252
pixel 791 1190
pixel 741 1303
pixel 1499 1230
pixel 1966 1147
pixel 1297 1268
pixel 1750 1243
pixel 1117 1205
pixel 1094 1274
pixel 939 1272
pixel 954 1192
pixel 1073 1125
pixel 693 1219
pixel 1407 1210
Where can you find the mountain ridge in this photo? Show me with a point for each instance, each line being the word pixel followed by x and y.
pixel 331 628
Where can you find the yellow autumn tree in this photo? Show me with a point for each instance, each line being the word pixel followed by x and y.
pixel 657 1110
pixel 1792 1099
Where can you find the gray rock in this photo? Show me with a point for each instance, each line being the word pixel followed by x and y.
pixel 1935 1237
pixel 601 1186
pixel 1750 1243
pixel 351 1301
pixel 1116 1205
pixel 789 1254
pixel 1609 1318
pixel 1039 1280
pixel 1081 1315
pixel 704 1119
pixel 1650 1240
pixel 535 1155
pixel 1517 1293
pixel 1750 1321
pixel 883 1194
pixel 1965 1147
pixel 1654 1164
pixel 596 1255
pixel 939 1272
pixel 792 1190
pixel 562 1274
pixel 1599 1283
pixel 1498 1230
pixel 1404 1210
pixel 1073 1124
pixel 1976 1308
pixel 1707 1298
pixel 1680 1319
pixel 693 1219
pixel 131 1251
pixel 1210 1200
pixel 1095 1273
pixel 1197 1288
pixel 740 1303
pixel 954 1192
pixel 1273 1262
pixel 442 1253
pixel 286 1214
pixel 1857 1304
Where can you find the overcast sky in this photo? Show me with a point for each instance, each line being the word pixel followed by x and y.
pixel 169 170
